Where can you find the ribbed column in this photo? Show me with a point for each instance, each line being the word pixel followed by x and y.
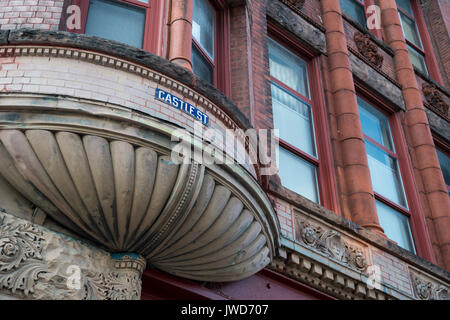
pixel 180 32
pixel 425 159
pixel 360 196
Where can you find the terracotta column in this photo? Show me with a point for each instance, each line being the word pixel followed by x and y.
pixel 425 160
pixel 180 32
pixel 360 196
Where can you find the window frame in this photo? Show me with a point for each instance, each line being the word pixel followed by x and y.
pixel 326 180
pixel 154 21
pixel 444 148
pixel 221 63
pixel 424 38
pixel 414 211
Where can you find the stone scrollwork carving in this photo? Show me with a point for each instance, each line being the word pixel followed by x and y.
pixel 434 98
pixel 21 263
pixel 330 243
pixel 425 289
pixel 122 284
pixel 112 286
pixel 368 49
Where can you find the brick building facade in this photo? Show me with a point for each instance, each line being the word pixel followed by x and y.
pixel 93 207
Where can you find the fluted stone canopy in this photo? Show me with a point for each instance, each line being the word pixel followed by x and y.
pixel 116 186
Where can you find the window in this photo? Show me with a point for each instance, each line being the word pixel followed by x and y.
pixel 210 49
pixel 444 161
pixel 391 201
pixel 293 116
pixel 412 35
pixel 355 9
pixel 203 35
pixel 134 22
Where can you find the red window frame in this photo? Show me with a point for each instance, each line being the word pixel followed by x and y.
pixel 220 65
pixel 444 148
pixel 154 21
pixel 326 180
pixel 424 37
pixel 414 212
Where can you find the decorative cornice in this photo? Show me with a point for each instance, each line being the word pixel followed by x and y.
pixel 130 59
pixel 119 64
pixel 325 278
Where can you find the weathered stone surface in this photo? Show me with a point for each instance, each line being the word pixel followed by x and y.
pixel 209 223
pixel 376 81
pixel 438 125
pixel 297 25
pixel 145 58
pixel 36 263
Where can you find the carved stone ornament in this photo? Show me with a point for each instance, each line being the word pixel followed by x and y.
pixel 425 289
pixel 368 48
pixel 123 284
pixel 434 98
pixel 21 262
pixel 330 243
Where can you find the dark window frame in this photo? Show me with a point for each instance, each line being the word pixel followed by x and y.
pixel 221 63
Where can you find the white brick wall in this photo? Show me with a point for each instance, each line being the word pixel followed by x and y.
pixel 37 14
pixel 80 79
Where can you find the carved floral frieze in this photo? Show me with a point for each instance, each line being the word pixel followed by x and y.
pixel 425 289
pixel 434 98
pixel 331 243
pixel 21 263
pixel 368 49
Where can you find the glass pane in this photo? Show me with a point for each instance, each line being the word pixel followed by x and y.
pixel 116 21
pixel 410 30
pixel 375 124
pixel 444 161
pixel 395 225
pixel 385 175
pixel 354 11
pixel 405 5
pixel 288 68
pixel 200 66
pixel 298 175
pixel 417 60
pixel 203 26
pixel 294 120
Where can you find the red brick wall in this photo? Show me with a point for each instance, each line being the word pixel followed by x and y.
pixel 240 62
pixel 260 66
pixel 437 18
pixel 37 14
pixel 312 9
